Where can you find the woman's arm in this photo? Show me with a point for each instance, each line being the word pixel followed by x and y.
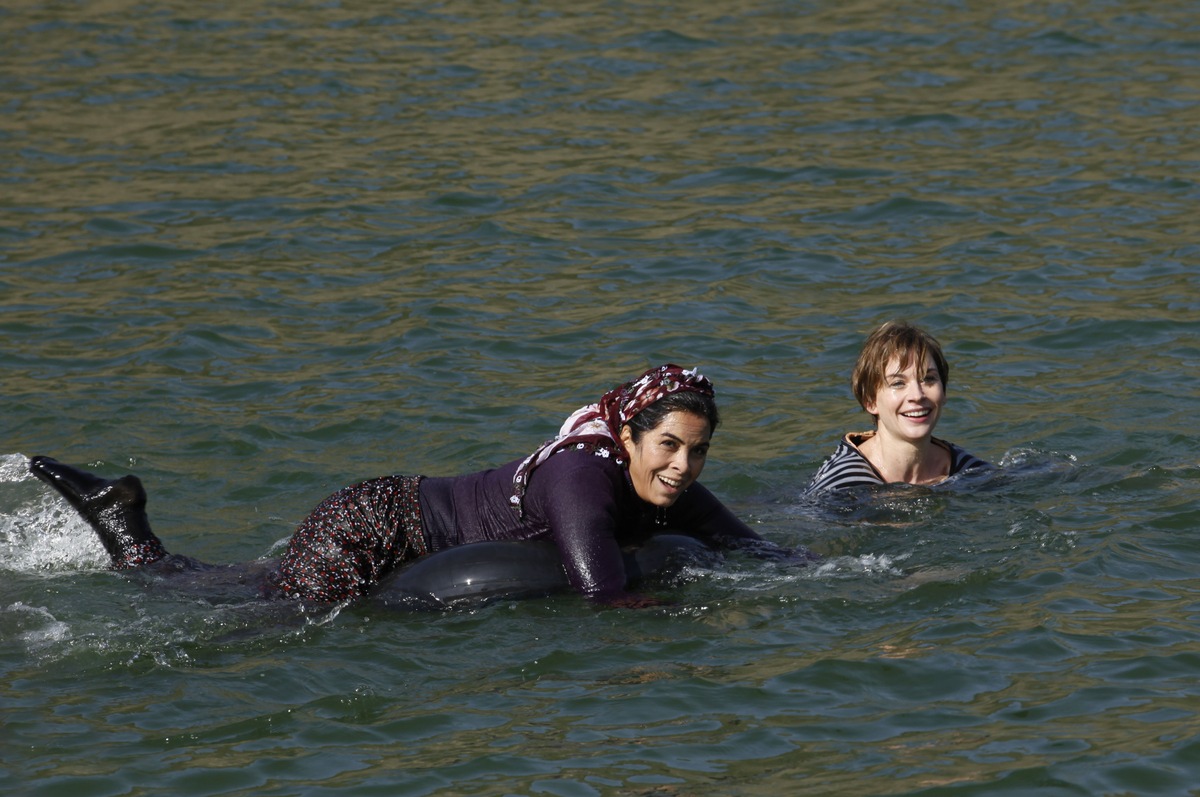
pixel 703 516
pixel 578 496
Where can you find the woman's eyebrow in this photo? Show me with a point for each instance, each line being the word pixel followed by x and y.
pixel 681 441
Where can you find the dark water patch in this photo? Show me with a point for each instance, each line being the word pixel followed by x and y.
pixel 664 41
pixel 898 210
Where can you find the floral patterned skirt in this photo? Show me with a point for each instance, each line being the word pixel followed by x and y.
pixel 352 539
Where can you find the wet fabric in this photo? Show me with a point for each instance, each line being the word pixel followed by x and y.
pixel 138 553
pixel 847 467
pixel 352 539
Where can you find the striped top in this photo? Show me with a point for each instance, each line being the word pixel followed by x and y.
pixel 847 467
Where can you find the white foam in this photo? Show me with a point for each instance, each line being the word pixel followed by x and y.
pixel 39 530
pixel 865 565
pixel 771 576
pixel 14 468
pixel 33 625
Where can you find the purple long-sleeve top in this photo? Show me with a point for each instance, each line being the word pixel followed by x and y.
pixel 583 501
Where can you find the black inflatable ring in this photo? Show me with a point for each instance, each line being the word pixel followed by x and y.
pixel 488 571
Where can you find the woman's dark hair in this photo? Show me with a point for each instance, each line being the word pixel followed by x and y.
pixel 684 401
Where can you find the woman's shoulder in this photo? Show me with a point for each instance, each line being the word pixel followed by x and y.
pixel 962 460
pixel 845 467
pixel 582 462
pixel 576 483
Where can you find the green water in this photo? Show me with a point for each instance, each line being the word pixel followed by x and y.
pixel 254 252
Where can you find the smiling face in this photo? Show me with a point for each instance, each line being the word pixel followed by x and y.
pixel 666 460
pixel 909 403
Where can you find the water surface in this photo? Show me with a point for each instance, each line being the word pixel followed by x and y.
pixel 254 252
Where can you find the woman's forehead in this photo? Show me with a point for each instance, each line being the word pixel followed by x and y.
pixel 905 361
pixel 681 424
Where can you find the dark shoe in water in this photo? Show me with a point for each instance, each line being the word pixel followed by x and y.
pixel 115 508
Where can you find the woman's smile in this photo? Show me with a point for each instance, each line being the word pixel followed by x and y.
pixel 666 460
pixel 909 402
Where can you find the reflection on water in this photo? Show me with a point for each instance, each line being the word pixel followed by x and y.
pixel 254 252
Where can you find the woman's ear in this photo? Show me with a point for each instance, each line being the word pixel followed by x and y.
pixel 626 435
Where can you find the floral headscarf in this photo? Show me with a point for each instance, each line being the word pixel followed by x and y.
pixel 600 424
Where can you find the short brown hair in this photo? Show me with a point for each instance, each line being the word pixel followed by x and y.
pixel 899 340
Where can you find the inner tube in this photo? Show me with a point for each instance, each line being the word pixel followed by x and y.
pixel 510 570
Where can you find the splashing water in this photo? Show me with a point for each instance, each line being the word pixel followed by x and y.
pixel 39 531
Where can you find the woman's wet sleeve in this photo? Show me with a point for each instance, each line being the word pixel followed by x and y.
pixel 702 515
pixel 580 505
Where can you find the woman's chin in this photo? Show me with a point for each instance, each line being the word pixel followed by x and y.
pixel 661 500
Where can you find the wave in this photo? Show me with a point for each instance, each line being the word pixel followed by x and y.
pixel 39 531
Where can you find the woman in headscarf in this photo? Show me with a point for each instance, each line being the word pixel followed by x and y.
pixel 900 381
pixel 618 471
